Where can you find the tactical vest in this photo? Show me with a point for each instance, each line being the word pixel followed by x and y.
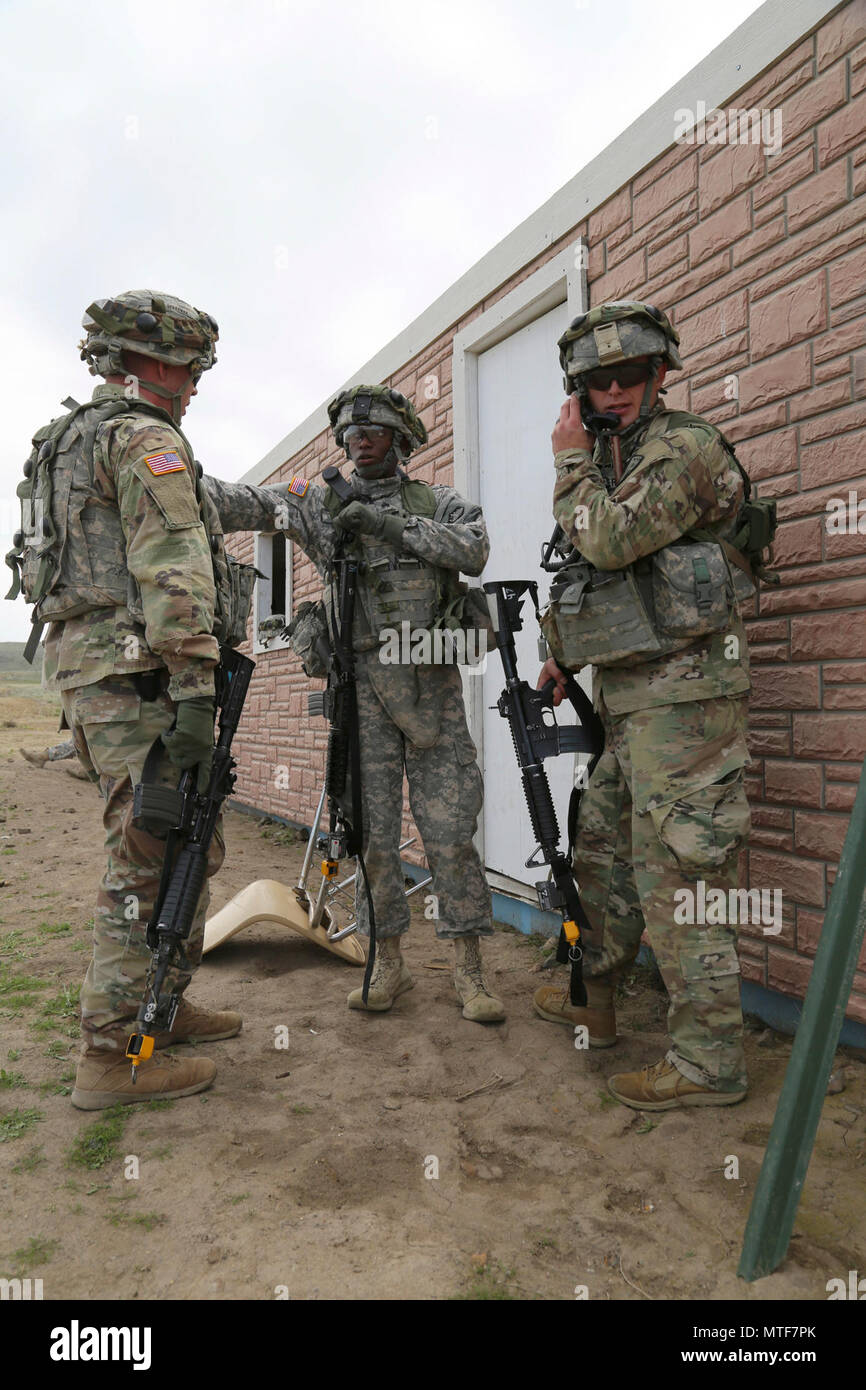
pixel 688 589
pixel 70 558
pixel 404 588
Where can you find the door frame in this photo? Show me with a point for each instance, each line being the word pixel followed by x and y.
pixel 561 280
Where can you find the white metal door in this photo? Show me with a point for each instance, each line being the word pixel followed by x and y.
pixel 519 398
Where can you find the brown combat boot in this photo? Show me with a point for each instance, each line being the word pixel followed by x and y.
pixel 104 1077
pixel 479 1004
pixel 192 1024
pixel 390 978
pixel 597 1016
pixel 662 1087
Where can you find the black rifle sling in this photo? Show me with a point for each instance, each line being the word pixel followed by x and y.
pixel 591 722
pixel 582 706
pixel 344 614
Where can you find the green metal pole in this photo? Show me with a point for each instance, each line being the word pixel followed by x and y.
pixel 789 1148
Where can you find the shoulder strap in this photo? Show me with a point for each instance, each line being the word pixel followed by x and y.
pixel 679 418
pixel 756 519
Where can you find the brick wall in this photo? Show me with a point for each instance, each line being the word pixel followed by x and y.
pixel 761 262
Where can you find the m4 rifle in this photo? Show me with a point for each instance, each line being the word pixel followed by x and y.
pixel 189 818
pixel 537 737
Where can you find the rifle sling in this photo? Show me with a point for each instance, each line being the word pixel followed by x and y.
pixel 590 720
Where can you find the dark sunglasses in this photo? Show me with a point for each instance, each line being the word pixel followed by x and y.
pixel 627 374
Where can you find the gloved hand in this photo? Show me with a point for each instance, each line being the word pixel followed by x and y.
pixel 190 742
pixel 365 520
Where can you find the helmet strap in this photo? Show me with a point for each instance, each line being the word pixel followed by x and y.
pixel 645 407
pixel 174 397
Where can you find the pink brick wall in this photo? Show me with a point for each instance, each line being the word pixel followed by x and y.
pixel 761 262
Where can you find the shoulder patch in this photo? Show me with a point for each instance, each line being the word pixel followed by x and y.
pixel 166 462
pixel 298 486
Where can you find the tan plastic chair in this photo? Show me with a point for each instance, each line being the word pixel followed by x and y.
pixel 268 900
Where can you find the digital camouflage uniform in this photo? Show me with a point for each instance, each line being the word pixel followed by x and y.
pixel 56 753
pixel 164 561
pixel 666 805
pixel 61 750
pixel 410 717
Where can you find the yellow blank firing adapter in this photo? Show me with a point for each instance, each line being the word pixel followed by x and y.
pixel 139 1048
pixel 330 868
pixel 572 932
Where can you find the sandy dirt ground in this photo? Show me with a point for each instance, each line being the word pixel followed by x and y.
pixel 411 1155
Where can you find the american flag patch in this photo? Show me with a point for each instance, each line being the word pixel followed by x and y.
pixel 298 486
pixel 168 462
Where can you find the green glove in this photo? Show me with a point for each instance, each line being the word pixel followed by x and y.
pixel 190 742
pixel 369 521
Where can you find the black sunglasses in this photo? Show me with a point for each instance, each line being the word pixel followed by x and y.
pixel 626 374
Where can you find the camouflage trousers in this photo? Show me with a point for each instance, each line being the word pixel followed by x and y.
pixel 665 809
pixel 445 794
pixel 113 729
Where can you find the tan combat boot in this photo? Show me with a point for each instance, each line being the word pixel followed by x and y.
pixel 597 1016
pixel 192 1024
pixel 663 1087
pixel 389 979
pixel 37 759
pixel 76 770
pixel 104 1077
pixel 479 1004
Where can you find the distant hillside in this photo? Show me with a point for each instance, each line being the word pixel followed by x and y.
pixel 12 662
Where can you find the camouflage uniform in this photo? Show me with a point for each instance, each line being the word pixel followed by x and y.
pixel 410 717
pixel 56 753
pixel 666 805
pixel 61 750
pixel 121 668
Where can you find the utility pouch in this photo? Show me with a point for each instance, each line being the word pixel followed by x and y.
pixel 400 591
pixel 235 606
pixel 692 589
pixel 308 634
pixel 157 809
pixel 599 617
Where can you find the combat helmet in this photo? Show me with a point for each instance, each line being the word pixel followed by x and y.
pixel 615 332
pixel 378 405
pixel 155 325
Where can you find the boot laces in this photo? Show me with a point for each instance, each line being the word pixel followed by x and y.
pixel 473 974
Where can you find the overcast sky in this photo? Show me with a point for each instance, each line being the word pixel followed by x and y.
pixel 312 174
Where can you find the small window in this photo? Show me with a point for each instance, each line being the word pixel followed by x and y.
pixel 273 594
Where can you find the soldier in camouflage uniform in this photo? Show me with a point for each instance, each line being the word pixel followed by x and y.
pixel 412 541
pixel 122 552
pixel 666 805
